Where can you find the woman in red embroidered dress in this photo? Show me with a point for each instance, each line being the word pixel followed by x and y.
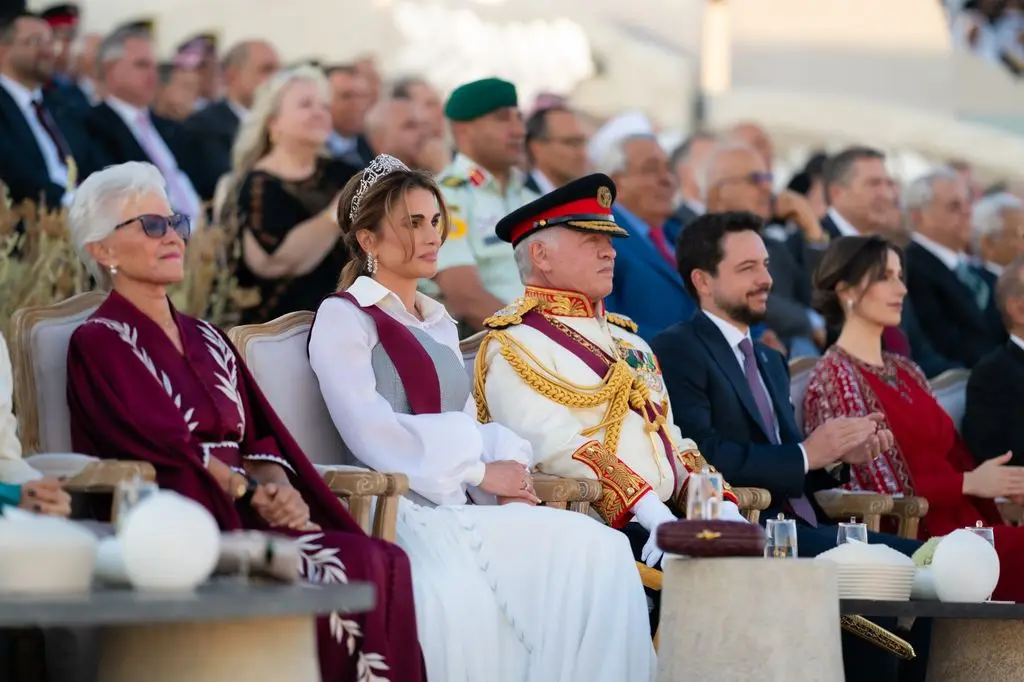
pixel 147 383
pixel 859 285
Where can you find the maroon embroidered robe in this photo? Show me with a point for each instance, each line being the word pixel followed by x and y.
pixel 132 395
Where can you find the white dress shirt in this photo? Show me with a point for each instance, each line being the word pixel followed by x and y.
pixel 845 227
pixel 950 258
pixel 181 193
pixel 1017 340
pixel 544 185
pixel 442 454
pixel 23 97
pixel 734 337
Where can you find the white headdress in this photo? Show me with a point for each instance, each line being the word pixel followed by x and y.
pixel 383 165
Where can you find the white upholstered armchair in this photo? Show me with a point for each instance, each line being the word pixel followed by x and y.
pixel 39 349
pixel 275 353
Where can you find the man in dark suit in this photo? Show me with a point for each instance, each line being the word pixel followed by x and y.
pixel 731 396
pixel 949 293
pixel 556 148
pixel 686 161
pixel 213 128
pixel 124 128
pixel 44 149
pixel 995 392
pixel 863 200
pixel 350 100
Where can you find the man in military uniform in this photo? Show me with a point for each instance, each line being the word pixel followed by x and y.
pixel 477 273
pixel 576 381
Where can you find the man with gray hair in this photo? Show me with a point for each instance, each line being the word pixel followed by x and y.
pixel 124 128
pixel 948 293
pixel 686 161
pixel 394 126
pixel 647 286
pixel 212 129
pixel 995 391
pixel 997 224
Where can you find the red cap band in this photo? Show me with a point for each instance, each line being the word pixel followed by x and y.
pixel 62 21
pixel 588 207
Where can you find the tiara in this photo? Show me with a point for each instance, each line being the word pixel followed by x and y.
pixel 381 166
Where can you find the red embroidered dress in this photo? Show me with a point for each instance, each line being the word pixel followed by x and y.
pixel 929 459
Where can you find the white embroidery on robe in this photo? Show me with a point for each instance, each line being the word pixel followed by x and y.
pixel 270 458
pixel 227 378
pixel 130 335
pixel 319 564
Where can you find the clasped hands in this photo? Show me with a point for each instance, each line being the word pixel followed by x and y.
pixel 282 506
pixel 509 481
pixel 853 440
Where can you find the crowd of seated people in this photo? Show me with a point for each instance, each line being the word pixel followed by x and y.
pixel 634 327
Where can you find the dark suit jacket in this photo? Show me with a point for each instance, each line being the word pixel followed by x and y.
pixel 946 309
pixel 646 287
pixel 22 166
pixel 713 405
pixel 994 421
pixel 992 314
pixel 117 144
pixel 677 222
pixel 210 132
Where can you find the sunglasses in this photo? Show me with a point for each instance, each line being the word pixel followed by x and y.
pixel 156 226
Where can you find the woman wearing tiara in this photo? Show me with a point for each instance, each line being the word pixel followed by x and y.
pixel 505 592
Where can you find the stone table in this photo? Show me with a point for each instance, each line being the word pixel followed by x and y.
pixel 740 619
pixel 970 642
pixel 224 630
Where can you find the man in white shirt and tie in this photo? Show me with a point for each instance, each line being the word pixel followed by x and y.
pixel 125 128
pixel 38 158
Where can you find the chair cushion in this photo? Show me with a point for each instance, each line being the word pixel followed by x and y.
pixel 797 388
pixel 281 367
pixel 49 340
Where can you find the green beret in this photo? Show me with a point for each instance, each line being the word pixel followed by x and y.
pixel 470 101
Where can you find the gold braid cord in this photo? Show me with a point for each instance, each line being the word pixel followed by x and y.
pixel 879 636
pixel 694 462
pixel 619 390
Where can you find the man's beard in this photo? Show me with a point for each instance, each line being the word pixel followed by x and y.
pixel 740 311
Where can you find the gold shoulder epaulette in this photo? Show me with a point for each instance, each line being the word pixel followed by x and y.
pixel 454 181
pixel 622 321
pixel 511 315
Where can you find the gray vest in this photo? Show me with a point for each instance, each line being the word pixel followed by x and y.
pixel 455 384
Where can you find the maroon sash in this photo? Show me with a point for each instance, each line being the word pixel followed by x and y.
pixel 412 362
pixel 599 361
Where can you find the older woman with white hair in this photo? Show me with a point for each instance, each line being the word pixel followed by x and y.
pixel 148 383
pixel 283 205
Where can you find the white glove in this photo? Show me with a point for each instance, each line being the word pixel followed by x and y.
pixel 730 512
pixel 651 512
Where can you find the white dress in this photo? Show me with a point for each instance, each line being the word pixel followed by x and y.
pixel 509 593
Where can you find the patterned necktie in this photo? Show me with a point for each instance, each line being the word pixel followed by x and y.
pixel 975 283
pixel 661 245
pixel 801 506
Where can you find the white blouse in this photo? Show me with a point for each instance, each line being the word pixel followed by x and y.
pixel 442 454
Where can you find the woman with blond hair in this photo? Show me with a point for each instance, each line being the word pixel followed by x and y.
pixel 282 208
pixel 506 592
pixel 148 383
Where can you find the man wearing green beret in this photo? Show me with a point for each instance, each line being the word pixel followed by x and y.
pixel 477 273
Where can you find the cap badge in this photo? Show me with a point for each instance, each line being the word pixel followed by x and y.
pixel 604 197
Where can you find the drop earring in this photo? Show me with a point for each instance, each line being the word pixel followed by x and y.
pixel 849 305
pixel 113 270
pixel 371 264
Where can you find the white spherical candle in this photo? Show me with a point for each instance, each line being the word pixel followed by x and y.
pixel 965 568
pixel 169 542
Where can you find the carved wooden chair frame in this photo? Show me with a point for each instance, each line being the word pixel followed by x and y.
pixel 98 478
pixel 355 488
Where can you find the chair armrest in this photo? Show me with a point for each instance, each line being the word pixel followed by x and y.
pixel 103 476
pixel 1012 513
pixel 840 506
pixel 555 489
pixel 752 498
pixel 356 483
pixel 398 485
pixel 910 507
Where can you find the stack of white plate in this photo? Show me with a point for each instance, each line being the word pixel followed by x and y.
pixel 875 582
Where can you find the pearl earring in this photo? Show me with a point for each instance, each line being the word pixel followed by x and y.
pixel 113 270
pixel 371 263
pixel 849 305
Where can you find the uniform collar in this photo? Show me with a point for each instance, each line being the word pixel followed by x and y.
pixel 478 176
pixel 564 302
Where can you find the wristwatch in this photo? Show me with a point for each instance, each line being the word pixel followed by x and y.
pixel 245 489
